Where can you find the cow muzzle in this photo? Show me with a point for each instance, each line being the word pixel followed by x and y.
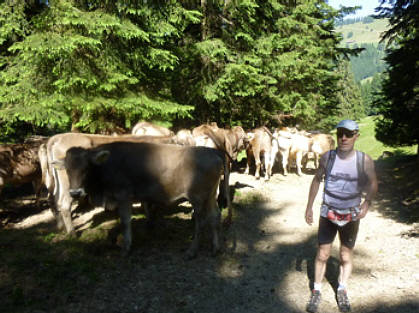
pixel 77 193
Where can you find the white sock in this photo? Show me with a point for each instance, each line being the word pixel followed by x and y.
pixel 318 286
pixel 341 286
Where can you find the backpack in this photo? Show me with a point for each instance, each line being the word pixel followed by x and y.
pixel 360 165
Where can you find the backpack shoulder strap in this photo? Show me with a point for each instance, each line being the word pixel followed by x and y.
pixel 360 165
pixel 329 164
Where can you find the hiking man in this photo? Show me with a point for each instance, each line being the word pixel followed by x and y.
pixel 347 174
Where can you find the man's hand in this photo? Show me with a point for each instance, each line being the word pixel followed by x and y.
pixel 364 209
pixel 309 216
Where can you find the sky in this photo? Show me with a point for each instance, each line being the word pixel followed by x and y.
pixel 368 6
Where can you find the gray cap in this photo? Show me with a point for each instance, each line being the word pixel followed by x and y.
pixel 348 124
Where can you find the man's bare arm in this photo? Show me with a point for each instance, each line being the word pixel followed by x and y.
pixel 372 185
pixel 314 188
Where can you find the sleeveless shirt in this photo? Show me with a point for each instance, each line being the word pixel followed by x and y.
pixel 342 187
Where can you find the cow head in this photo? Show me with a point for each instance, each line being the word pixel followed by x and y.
pixel 241 136
pixel 77 163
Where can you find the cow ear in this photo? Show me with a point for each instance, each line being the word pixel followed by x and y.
pixel 100 157
pixel 58 164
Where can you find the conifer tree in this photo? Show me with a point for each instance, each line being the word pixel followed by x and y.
pixel 350 105
pixel 261 58
pixel 94 65
pixel 398 104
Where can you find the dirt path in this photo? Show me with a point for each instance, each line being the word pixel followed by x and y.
pixel 267 264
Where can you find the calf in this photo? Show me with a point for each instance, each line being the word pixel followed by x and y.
pixel 281 142
pixel 117 174
pixel 260 144
pixel 19 164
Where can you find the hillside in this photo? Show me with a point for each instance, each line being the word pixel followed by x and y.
pixel 360 32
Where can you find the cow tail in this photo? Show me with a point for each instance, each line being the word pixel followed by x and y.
pixel 268 132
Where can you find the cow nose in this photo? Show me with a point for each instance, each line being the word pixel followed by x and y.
pixel 76 193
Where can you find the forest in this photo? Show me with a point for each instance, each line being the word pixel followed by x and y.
pixel 100 66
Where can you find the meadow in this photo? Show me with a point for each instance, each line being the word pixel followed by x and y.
pixel 370 145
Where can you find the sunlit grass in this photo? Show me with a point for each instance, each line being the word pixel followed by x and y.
pixel 370 145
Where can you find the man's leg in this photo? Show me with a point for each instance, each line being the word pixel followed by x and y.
pixel 345 271
pixel 326 235
pixel 346 255
pixel 347 237
pixel 323 253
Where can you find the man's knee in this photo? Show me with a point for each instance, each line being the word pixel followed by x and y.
pixel 323 253
pixel 345 254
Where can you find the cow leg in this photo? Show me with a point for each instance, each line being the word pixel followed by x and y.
pixel 268 166
pixel 64 216
pixel 298 158
pixel 248 161
pixel 257 163
pixel 37 187
pixel 124 211
pixel 226 188
pixel 215 220
pixel 304 160
pixel 316 160
pixel 274 154
pixel 199 223
pixel 285 156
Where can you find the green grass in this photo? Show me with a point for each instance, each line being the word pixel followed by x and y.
pixel 368 144
pixel 363 33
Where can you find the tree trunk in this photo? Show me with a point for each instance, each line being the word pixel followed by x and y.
pixel 204 24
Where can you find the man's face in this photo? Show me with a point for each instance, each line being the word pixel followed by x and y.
pixel 346 139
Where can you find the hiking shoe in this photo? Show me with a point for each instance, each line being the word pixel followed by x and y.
pixel 314 301
pixel 343 301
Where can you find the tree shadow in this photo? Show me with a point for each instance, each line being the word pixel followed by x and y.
pixel 398 192
pixel 44 271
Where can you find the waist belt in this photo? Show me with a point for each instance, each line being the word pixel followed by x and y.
pixel 348 214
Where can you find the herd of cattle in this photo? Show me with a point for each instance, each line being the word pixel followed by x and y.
pixel 153 166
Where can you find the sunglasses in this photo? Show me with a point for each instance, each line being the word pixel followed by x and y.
pixel 348 133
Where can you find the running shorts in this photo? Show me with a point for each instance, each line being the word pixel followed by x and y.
pixel 347 233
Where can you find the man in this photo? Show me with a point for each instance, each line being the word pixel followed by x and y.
pixel 342 207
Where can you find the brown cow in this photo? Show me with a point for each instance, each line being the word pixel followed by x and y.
pixel 121 173
pixel 19 164
pixel 321 143
pixel 260 144
pixel 57 147
pixel 232 141
pixel 304 143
